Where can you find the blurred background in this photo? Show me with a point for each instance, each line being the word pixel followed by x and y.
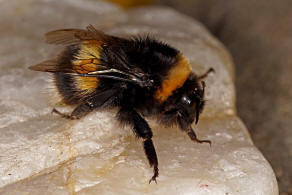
pixel 258 34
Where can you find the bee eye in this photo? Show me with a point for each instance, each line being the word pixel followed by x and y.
pixel 186 100
pixel 195 91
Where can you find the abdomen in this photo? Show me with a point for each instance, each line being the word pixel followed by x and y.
pixel 74 89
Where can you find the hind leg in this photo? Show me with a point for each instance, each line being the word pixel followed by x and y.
pixel 99 100
pixel 79 112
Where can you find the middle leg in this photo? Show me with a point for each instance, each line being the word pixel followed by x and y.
pixel 141 130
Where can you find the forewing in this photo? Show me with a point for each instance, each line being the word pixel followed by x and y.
pixel 86 62
pixel 79 67
pixel 46 66
pixel 73 36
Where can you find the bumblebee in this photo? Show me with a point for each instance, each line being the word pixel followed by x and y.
pixel 140 76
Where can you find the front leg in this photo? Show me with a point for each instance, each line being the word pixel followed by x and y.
pixel 141 130
pixel 186 127
pixel 193 136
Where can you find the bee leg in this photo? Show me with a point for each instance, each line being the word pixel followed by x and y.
pixel 141 130
pixel 206 73
pixel 67 116
pixel 90 104
pixel 193 136
pixel 80 111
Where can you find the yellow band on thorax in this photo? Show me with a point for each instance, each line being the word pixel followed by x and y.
pixel 175 78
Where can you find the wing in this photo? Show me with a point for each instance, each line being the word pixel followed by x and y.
pixel 79 67
pixel 95 70
pixel 73 36
pixel 82 56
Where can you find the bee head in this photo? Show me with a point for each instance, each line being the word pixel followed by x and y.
pixel 187 103
pixel 190 105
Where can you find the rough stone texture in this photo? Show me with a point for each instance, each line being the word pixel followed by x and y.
pixel 43 154
pixel 258 35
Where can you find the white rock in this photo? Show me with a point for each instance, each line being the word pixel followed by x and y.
pixel 43 154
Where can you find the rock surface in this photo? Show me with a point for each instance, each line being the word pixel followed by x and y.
pixel 42 153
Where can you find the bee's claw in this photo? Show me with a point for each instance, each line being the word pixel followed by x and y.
pixel 155 175
pixel 153 179
pixel 194 138
pixel 204 141
pixel 54 111
pixel 63 115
